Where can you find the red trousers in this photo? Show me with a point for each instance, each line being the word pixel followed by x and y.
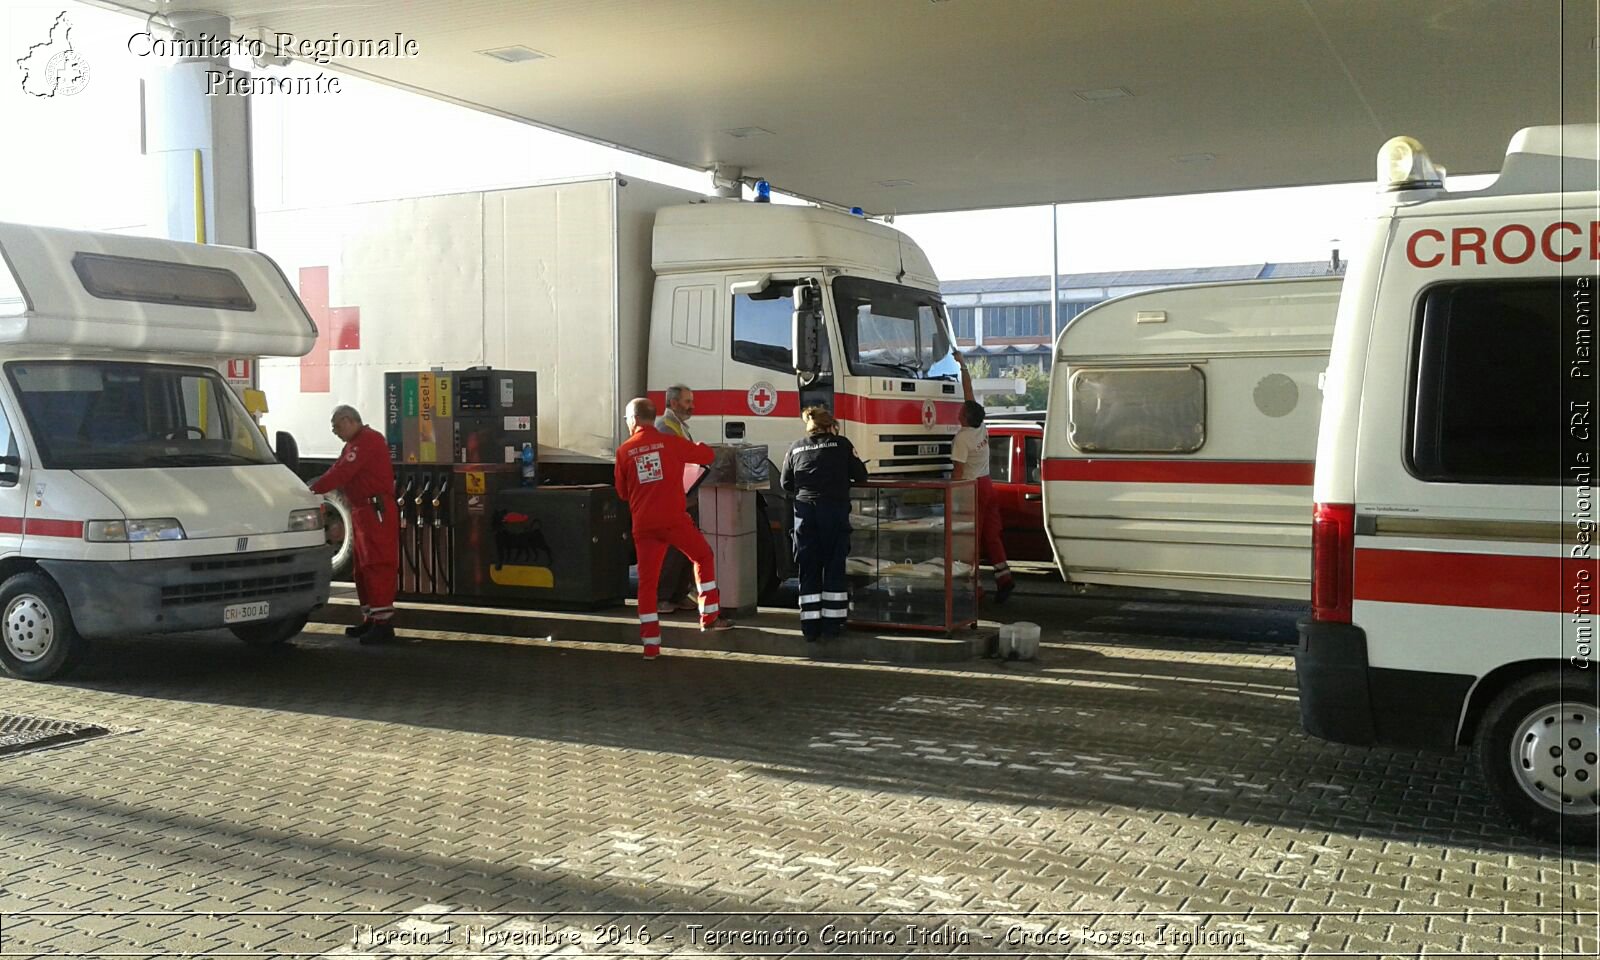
pixel 651 545
pixel 377 560
pixel 989 528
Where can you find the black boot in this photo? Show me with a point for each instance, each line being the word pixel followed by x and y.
pixel 381 632
pixel 359 630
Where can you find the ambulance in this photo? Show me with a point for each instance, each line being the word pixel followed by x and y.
pixel 137 495
pixel 1454 527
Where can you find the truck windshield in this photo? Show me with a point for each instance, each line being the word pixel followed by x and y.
pixel 894 330
pixel 105 415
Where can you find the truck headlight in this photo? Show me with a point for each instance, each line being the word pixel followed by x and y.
pixel 307 519
pixel 132 531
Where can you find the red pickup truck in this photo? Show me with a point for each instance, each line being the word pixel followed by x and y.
pixel 1016 450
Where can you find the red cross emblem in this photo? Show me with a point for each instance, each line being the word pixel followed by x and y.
pixel 930 414
pixel 762 398
pixel 338 328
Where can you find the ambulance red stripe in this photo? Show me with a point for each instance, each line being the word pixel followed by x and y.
pixel 1489 581
pixel 1287 473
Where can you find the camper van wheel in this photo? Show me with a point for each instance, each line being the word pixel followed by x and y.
pixel 40 641
pixel 1537 748
pixel 272 633
pixel 341 536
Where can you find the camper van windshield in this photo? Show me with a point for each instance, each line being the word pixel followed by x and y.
pixel 894 330
pixel 102 415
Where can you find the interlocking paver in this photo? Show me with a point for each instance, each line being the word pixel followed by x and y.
pixel 271 803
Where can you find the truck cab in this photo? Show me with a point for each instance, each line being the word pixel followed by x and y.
pixel 137 495
pixel 747 294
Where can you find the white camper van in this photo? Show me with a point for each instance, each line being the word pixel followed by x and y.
pixel 1454 596
pixel 136 494
pixel 1179 440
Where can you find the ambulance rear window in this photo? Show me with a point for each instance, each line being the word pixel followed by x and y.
pixel 158 281
pixel 1502 382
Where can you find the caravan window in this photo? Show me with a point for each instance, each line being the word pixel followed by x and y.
pixel 1503 390
pixel 159 281
pixel 1137 410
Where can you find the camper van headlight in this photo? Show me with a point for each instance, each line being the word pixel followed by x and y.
pixel 1403 164
pixel 132 531
pixel 308 519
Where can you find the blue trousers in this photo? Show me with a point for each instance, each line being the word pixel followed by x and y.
pixel 821 544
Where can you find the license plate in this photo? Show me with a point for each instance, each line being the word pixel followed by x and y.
pixel 928 450
pixel 246 612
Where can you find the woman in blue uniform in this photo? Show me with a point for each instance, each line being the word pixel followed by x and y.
pixel 818 472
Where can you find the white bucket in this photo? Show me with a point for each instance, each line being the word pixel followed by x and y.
pixel 1025 640
pixel 1018 641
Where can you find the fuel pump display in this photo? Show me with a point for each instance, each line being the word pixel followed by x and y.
pixel 473 521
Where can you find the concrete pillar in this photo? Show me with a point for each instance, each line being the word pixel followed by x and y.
pixel 199 150
pixel 199 144
pixel 977 325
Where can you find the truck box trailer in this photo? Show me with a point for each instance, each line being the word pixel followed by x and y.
pixel 1180 438
pixel 610 288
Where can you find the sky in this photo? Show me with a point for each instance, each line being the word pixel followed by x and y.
pixel 84 169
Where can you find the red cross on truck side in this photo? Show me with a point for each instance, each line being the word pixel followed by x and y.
pixel 763 397
pixel 338 328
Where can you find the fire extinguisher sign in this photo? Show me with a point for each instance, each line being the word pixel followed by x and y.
pixel 238 371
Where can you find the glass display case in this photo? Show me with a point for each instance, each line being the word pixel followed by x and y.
pixel 914 555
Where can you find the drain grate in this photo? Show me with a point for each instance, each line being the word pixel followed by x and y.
pixel 20 733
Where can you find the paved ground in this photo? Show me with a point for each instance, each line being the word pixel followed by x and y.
pixel 1142 790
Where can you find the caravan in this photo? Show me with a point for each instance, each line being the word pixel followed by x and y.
pixel 1454 594
pixel 136 494
pixel 1180 435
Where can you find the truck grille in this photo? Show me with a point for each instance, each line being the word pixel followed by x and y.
pixel 236 589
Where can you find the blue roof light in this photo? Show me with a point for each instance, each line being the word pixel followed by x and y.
pixel 763 192
pixel 857 212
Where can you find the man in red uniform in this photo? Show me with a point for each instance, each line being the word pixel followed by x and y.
pixel 649 476
pixel 366 478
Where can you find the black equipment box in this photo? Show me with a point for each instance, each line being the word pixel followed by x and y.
pixel 544 546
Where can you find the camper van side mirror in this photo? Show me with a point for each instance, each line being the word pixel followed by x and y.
pixel 806 330
pixel 288 451
pixel 10 467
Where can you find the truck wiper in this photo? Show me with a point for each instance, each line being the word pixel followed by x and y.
pixel 914 371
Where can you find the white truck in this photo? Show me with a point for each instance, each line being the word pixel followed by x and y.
pixel 610 288
pixel 1180 436
pixel 136 494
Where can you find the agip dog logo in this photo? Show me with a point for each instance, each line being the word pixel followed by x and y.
pixel 53 68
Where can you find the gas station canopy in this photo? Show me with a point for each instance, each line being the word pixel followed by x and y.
pixel 910 106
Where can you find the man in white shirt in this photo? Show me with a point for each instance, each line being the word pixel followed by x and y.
pixel 677 576
pixel 969 455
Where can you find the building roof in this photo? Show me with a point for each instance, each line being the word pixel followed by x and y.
pixel 1141 278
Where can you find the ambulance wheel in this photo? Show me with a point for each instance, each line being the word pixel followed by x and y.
pixel 272 633
pixel 39 640
pixel 1537 748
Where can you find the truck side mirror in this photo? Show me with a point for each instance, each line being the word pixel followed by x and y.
pixel 288 451
pixel 806 339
